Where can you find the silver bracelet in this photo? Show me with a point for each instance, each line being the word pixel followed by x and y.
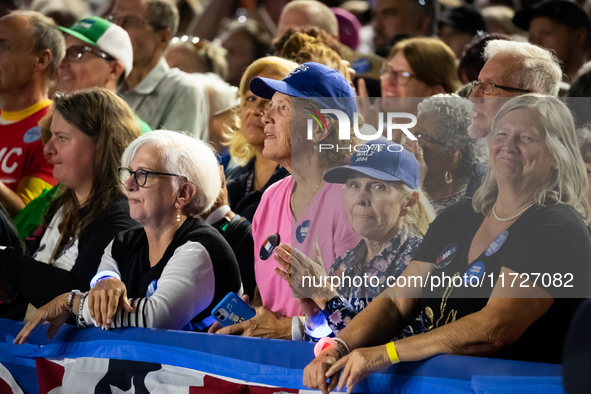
pixel 343 345
pixel 71 299
pixel 80 308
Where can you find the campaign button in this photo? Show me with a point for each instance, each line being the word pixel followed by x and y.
pixel 302 231
pixel 447 255
pixel 496 243
pixel 32 135
pixel 474 272
pixel 151 288
pixel 269 246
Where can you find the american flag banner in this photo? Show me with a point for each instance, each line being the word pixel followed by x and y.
pixel 140 360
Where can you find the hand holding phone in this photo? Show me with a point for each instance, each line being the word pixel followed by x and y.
pixel 231 310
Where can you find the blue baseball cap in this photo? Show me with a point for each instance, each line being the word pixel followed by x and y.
pixel 310 80
pixel 379 159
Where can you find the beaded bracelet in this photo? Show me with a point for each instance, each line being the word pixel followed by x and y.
pixel 343 345
pixel 80 309
pixel 71 299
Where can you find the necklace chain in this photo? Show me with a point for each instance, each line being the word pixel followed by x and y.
pixel 512 217
pixel 314 192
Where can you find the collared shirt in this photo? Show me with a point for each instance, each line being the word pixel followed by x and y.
pixel 169 99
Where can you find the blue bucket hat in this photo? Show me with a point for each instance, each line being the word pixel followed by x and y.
pixel 313 81
pixel 379 159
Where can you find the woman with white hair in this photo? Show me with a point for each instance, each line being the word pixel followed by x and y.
pixel 529 216
pixel 445 146
pixel 174 267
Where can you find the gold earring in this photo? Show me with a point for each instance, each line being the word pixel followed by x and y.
pixel 448 178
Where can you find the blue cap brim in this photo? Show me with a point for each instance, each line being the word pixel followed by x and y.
pixel 266 88
pixel 341 174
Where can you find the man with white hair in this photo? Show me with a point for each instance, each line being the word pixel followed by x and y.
pixel 511 69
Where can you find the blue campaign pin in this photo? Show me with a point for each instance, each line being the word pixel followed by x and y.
pixel 474 272
pixel 32 135
pixel 302 231
pixel 496 243
pixel 151 288
pixel 269 246
pixel 446 256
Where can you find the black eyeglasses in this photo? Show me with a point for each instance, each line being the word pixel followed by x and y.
pixel 140 176
pixel 489 88
pixel 75 53
pixel 132 21
pixel 423 137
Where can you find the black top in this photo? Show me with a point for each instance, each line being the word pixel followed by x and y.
pixel 130 251
pixel 240 181
pixel 39 282
pixel 552 241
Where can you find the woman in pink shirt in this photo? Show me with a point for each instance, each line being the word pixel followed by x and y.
pixel 301 209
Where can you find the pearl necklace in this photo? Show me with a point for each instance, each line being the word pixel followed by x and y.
pixel 512 217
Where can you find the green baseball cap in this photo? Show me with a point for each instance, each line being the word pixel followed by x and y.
pixel 107 36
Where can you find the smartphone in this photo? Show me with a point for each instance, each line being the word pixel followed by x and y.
pixel 232 310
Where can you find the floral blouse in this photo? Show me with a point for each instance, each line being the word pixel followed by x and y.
pixel 389 262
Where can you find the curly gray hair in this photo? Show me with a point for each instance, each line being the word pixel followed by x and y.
pixel 454 114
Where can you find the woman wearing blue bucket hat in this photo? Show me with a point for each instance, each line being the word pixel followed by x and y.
pixel 388 210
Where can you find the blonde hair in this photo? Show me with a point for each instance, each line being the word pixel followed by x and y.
pixel 240 150
pixel 301 48
pixel 421 214
pixel 431 60
pixel 567 182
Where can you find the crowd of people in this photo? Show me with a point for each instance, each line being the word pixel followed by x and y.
pixel 156 155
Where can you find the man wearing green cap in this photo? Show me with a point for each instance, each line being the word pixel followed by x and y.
pixel 98 53
pixel 161 96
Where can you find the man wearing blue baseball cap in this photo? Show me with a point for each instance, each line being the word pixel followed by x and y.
pixel 302 209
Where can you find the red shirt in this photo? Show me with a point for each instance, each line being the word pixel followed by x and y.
pixel 21 152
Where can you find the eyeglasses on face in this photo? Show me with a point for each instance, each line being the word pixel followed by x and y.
pixel 140 176
pixel 489 87
pixel 132 22
pixel 75 52
pixel 401 77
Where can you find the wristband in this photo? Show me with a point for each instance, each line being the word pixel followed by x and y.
pixel 297 332
pixel 391 349
pixel 103 275
pixel 71 299
pixel 325 343
pixel 317 327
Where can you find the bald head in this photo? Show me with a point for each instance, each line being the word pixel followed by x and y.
pixel 308 13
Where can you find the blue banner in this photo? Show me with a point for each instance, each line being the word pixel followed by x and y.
pixel 259 361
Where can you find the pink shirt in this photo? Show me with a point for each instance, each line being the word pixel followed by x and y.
pixel 324 218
